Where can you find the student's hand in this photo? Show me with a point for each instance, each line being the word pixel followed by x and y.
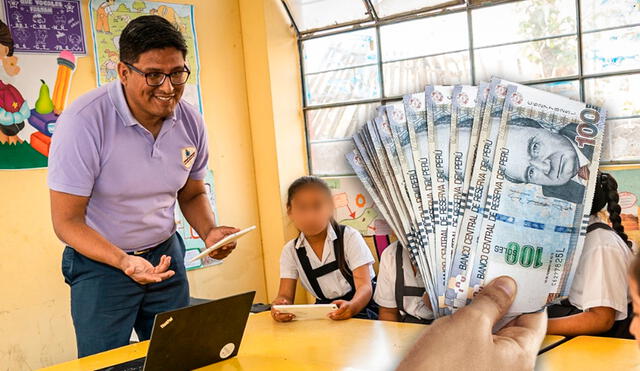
pixel 464 340
pixel 281 317
pixel 426 301
pixel 214 235
pixel 345 310
pixel 143 272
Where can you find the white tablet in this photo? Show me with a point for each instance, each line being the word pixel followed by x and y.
pixel 307 311
pixel 230 238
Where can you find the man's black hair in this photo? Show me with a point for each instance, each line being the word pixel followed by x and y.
pixel 146 33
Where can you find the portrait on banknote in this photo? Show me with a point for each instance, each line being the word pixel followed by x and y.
pixel 551 152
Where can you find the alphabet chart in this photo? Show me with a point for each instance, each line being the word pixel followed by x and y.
pixel 45 26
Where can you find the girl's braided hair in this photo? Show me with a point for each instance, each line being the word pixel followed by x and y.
pixel 606 193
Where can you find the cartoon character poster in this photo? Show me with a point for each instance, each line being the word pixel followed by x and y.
pixel 193 243
pixel 354 207
pixel 628 178
pixel 109 18
pixel 33 93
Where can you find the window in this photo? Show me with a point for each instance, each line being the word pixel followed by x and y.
pixel 314 14
pixel 413 54
pixel 583 49
pixel 389 8
pixel 341 68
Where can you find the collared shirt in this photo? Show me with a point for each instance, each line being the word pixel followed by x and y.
pixel 385 294
pixel 100 151
pixel 333 284
pixel 601 276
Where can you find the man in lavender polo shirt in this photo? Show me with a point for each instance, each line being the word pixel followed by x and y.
pixel 121 157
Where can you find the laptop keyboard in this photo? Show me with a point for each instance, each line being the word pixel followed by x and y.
pixel 134 365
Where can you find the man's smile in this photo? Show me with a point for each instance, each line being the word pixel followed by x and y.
pixel 164 97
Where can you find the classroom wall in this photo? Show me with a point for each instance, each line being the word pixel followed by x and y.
pixel 277 122
pixel 35 322
pixel 275 107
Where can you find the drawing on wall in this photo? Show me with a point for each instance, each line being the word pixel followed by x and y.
pixel 109 18
pixel 193 242
pixel 44 26
pixel 353 207
pixel 33 92
pixel 628 178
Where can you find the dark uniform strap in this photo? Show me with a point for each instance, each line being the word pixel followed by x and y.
pixel 400 289
pixel 399 279
pixel 338 251
pixel 311 274
pixel 598 225
pixel 411 319
pixel 562 309
pixel 338 264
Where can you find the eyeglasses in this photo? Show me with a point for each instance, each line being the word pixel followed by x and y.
pixel 157 78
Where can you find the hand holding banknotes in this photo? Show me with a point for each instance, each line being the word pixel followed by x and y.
pixel 481 182
pixel 214 235
pixel 464 340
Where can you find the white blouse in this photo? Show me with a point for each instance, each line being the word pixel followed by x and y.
pixel 601 276
pixel 333 284
pixel 385 294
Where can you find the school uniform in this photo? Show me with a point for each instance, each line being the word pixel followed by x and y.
pixel 399 287
pixel 322 276
pixel 601 278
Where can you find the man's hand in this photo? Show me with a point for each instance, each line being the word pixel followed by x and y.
pixel 214 235
pixel 464 340
pixel 345 310
pixel 281 317
pixel 140 270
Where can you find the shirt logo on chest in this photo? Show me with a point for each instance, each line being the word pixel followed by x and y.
pixel 188 156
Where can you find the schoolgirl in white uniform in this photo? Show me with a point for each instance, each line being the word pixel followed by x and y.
pixel 400 290
pixel 599 302
pixel 333 262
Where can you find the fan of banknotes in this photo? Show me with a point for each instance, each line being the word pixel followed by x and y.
pixel 483 181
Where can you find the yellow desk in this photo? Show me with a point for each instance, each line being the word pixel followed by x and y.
pixel 304 345
pixel 591 353
pixel 549 341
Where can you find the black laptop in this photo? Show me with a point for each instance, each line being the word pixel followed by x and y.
pixel 193 337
